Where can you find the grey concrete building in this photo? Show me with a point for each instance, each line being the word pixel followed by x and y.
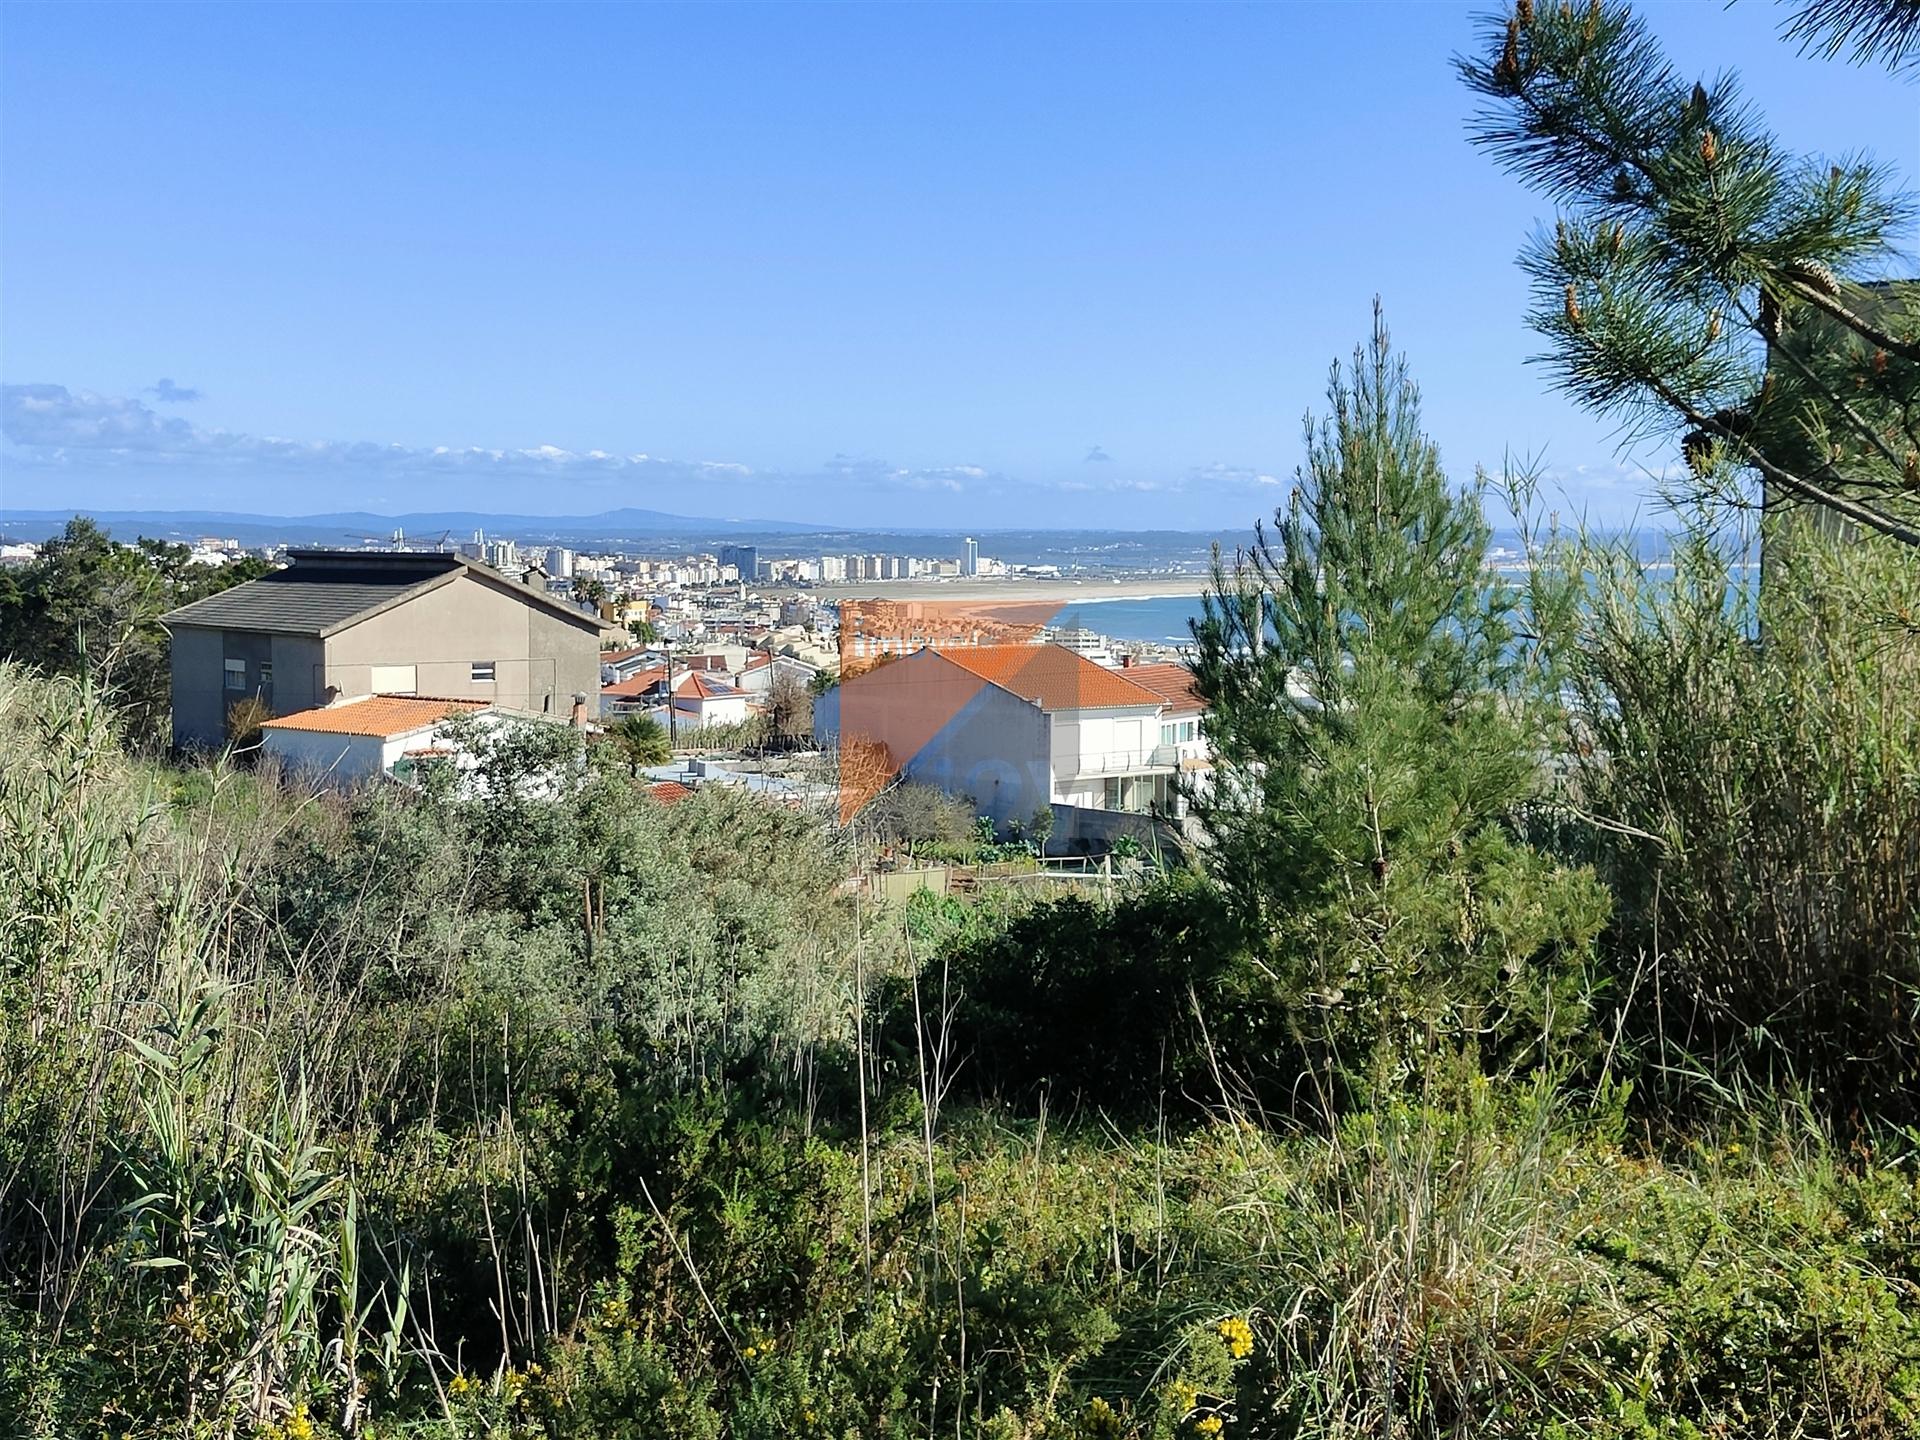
pixel 342 623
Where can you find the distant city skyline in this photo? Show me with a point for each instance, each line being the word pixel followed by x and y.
pixel 902 266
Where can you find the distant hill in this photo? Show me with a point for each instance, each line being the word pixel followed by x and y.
pixel 423 527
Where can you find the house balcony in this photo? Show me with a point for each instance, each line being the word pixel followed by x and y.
pixel 1159 760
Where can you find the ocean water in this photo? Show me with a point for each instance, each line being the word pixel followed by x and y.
pixel 1162 619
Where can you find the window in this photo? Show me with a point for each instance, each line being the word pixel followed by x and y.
pixel 236 674
pixel 1186 729
pixel 481 672
pixel 1167 733
pixel 266 674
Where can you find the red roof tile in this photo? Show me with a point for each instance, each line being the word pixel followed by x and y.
pixel 699 687
pixel 636 684
pixel 383 716
pixel 1172 683
pixel 669 792
pixel 1052 676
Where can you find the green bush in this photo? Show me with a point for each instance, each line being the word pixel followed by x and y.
pixel 557 1113
pixel 1746 776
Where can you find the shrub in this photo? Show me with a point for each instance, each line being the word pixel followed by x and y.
pixel 1748 774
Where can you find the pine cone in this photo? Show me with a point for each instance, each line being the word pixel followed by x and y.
pixel 1815 276
pixel 1697 448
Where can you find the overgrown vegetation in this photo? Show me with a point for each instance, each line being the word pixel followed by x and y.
pixel 527 1106
pixel 90 607
pixel 1531 1052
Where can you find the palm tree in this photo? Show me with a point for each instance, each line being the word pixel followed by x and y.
pixel 641 741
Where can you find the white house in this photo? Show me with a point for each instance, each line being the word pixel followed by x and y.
pixel 642 689
pixel 705 699
pixel 617 666
pixel 757 676
pixel 1013 727
pixel 1181 724
pixel 363 738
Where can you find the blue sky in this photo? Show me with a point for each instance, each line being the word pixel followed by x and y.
pixel 894 265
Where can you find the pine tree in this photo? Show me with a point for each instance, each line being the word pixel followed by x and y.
pixel 1883 30
pixel 1702 281
pixel 1373 733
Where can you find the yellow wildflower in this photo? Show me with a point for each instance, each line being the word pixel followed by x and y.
pixel 1239 1336
pixel 1210 1425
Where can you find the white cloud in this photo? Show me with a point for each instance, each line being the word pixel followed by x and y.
pixel 69 436
pixel 60 427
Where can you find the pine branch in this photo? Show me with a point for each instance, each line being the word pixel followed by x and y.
pixel 1861 514
pixel 1887 30
pixel 1829 305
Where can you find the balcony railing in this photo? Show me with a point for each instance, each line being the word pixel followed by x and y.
pixel 1161 759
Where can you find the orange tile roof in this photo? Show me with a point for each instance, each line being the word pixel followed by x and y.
pixel 383 716
pixel 696 684
pixel 638 683
pixel 669 792
pixel 1053 676
pixel 1172 683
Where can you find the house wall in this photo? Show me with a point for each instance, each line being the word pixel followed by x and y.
pixel 718 709
pixel 540 660
pixel 336 759
pixel 296 666
pixel 993 751
pixel 280 670
pixel 949 729
pixel 1089 745
pixel 199 696
pixel 759 680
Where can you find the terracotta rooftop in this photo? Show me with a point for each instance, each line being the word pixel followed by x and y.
pixel 1172 683
pixel 638 683
pixel 669 792
pixel 382 716
pixel 699 687
pixel 1052 676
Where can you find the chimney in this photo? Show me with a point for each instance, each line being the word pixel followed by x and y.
pixel 578 719
pixel 1126 662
